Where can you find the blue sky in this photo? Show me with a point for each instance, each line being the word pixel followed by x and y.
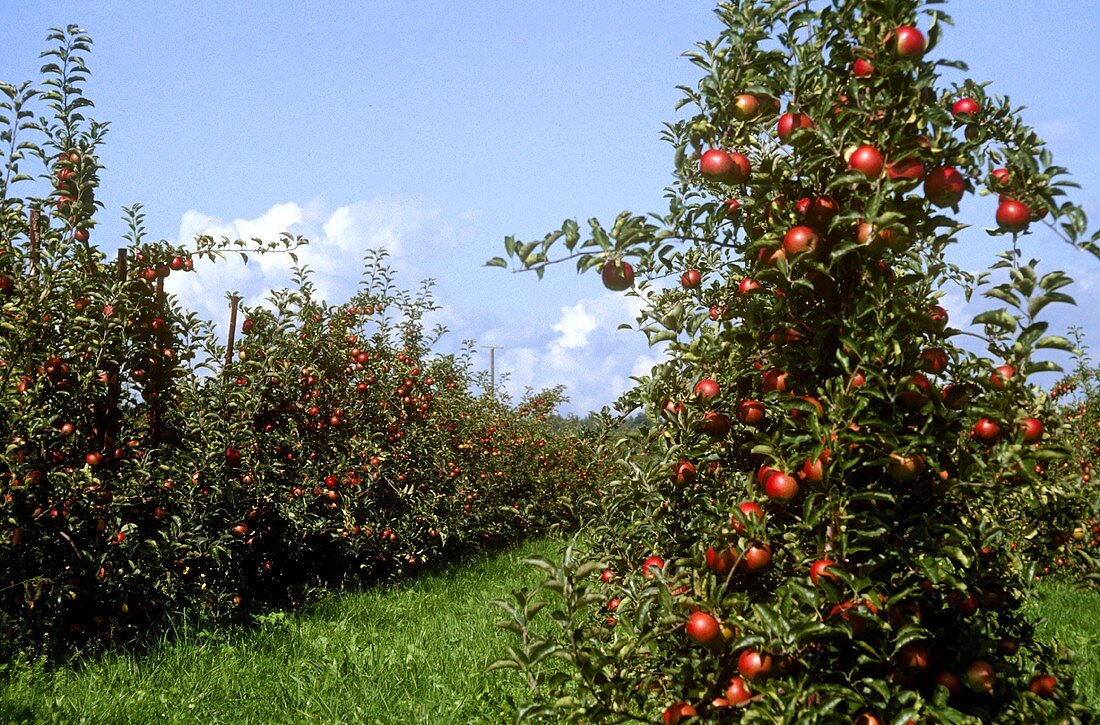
pixel 437 130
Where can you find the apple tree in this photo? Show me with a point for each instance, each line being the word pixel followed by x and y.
pixel 814 528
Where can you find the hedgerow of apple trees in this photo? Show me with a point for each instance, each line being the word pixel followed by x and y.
pixel 144 474
pixel 815 531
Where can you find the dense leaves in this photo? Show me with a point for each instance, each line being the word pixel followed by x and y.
pixel 826 472
pixel 146 469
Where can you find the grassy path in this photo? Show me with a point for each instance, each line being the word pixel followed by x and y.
pixel 411 654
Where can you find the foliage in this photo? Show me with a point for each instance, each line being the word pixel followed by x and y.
pixel 146 469
pixel 828 480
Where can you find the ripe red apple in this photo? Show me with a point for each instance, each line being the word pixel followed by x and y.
pixel 790 122
pixel 980 676
pixel 1043 685
pixel 914 657
pixel 905 467
pixel 909 42
pixel 650 565
pixel 1033 429
pixel 781 487
pixel 676 712
pixel 716 164
pixel 862 68
pixel 748 286
pixel 607 575
pixel 909 167
pixel 232 456
pixel 867 160
pixel 934 360
pixel 820 568
pixel 690 279
pixel 746 106
pixel 756 558
pixel 683 473
pixel 937 315
pixel 819 211
pixel 915 391
pixel 703 628
pixel 965 107
pixel 730 206
pixel 721 560
pixel 1000 178
pixel 1013 216
pixel 737 692
pixel 751 412
pixel 800 239
pixel 749 512
pixel 985 431
pixel 753 665
pixel 1001 374
pixel 726 166
pixel 617 275
pixel 714 424
pixel 944 186
pixel 775 381
pixel 707 388
pixel 813 470
pixel 948 679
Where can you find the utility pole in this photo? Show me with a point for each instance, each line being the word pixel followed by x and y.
pixel 492 367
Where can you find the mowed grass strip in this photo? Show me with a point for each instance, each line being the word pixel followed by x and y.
pixel 1071 617
pixel 415 653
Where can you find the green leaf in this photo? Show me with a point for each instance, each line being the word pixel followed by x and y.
pixel 997 318
pixel 1055 342
pixel 497 262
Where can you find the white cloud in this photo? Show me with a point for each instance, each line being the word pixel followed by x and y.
pixel 574 326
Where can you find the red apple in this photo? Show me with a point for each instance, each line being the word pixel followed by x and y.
pixel 1001 374
pixel 756 558
pixel 753 665
pixel 751 412
pixel 690 279
pixel 820 568
pixel 867 160
pixel 716 425
pixel 985 431
pixel 790 122
pixel 862 68
pixel 915 657
pixel 980 677
pixel 800 239
pixel 781 487
pixel 748 286
pixel 707 388
pixel 1033 429
pixel 676 712
pixel 721 560
pixel 703 628
pixel 617 275
pixel 944 186
pixel 905 467
pixel 737 692
pixel 1042 685
pixel 750 512
pixel 965 107
pixel 909 167
pixel 683 473
pixel 746 106
pixel 909 42
pixel 651 565
pixel 1013 216
pixel 775 381
pixel 934 360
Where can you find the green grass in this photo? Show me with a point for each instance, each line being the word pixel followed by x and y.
pixel 410 654
pixel 1072 618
